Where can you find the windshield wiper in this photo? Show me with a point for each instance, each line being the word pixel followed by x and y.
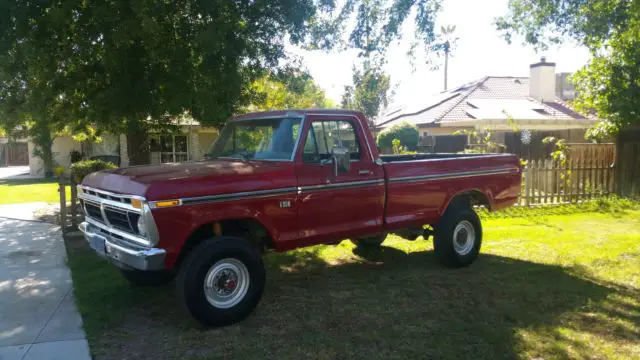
pixel 233 156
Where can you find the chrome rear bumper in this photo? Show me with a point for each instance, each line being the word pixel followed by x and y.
pixel 123 254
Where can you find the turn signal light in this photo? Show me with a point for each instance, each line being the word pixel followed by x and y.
pixel 136 203
pixel 167 203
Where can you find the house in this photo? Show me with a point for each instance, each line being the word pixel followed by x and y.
pixel 520 112
pixel 191 142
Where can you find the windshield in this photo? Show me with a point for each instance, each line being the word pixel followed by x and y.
pixel 261 139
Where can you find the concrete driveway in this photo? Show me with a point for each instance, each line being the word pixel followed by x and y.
pixel 14 172
pixel 38 317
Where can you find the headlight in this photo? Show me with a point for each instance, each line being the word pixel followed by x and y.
pixel 142 228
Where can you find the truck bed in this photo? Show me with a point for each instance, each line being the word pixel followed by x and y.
pixel 420 186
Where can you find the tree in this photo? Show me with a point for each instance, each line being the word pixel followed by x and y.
pixel 293 91
pixel 406 133
pixel 481 141
pixel 448 44
pixel 609 84
pixel 369 92
pixel 126 66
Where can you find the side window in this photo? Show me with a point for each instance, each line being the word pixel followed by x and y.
pixel 325 135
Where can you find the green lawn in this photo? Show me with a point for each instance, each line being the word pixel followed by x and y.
pixel 23 191
pixel 550 283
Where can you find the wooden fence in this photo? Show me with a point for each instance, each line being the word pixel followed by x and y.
pixel 551 182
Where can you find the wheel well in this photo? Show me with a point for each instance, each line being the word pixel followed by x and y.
pixel 472 198
pixel 249 229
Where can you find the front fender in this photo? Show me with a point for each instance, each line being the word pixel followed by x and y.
pixel 177 224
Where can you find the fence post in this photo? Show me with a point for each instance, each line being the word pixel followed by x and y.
pixel 538 181
pixel 63 203
pixel 527 184
pixel 546 181
pixel 74 207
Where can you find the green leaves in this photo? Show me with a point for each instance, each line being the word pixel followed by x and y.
pixel 370 90
pixel 294 90
pixel 399 136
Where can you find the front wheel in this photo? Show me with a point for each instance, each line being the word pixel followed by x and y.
pixel 221 281
pixel 458 237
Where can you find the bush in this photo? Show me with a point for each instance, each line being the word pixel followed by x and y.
pixel 83 168
pixel 407 134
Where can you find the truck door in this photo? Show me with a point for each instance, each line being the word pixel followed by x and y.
pixel 337 206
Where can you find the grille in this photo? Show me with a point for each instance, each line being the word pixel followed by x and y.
pixel 108 197
pixel 93 211
pixel 121 219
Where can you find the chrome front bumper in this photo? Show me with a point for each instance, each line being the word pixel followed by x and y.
pixel 122 254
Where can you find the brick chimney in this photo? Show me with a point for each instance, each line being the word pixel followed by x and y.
pixel 542 80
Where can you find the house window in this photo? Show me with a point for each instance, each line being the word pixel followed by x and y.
pixel 173 148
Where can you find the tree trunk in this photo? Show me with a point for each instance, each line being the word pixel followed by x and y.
pixel 137 145
pixel 43 140
pixel 446 68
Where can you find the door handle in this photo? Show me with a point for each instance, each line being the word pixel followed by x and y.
pixel 364 172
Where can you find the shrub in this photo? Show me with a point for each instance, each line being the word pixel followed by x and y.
pixel 407 134
pixel 83 168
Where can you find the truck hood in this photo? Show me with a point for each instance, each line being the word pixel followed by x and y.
pixel 201 178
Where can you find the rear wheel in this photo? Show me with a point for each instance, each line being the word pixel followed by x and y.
pixel 221 281
pixel 458 236
pixel 370 242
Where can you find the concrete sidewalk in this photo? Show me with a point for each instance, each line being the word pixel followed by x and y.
pixel 38 317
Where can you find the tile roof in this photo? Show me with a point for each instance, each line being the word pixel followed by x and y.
pixel 491 97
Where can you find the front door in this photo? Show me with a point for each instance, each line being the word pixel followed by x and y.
pixel 337 206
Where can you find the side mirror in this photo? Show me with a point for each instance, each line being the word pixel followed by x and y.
pixel 341 160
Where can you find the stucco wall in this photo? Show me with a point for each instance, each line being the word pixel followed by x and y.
pixel 61 148
pixel 205 141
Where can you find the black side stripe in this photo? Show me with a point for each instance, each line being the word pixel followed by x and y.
pixel 454 175
pixel 343 185
pixel 239 195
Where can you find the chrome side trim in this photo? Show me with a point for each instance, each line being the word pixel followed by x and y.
pixel 274 192
pixel 123 234
pixel 343 185
pixel 454 175
pixel 238 195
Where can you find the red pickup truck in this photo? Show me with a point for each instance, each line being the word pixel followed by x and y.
pixel 282 180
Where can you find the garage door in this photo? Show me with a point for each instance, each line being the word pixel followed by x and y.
pixel 14 154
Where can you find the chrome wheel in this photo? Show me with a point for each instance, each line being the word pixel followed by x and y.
pixel 464 237
pixel 226 283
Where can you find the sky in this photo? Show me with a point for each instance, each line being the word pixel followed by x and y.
pixel 480 52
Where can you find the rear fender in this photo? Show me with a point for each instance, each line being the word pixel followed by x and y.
pixel 471 197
